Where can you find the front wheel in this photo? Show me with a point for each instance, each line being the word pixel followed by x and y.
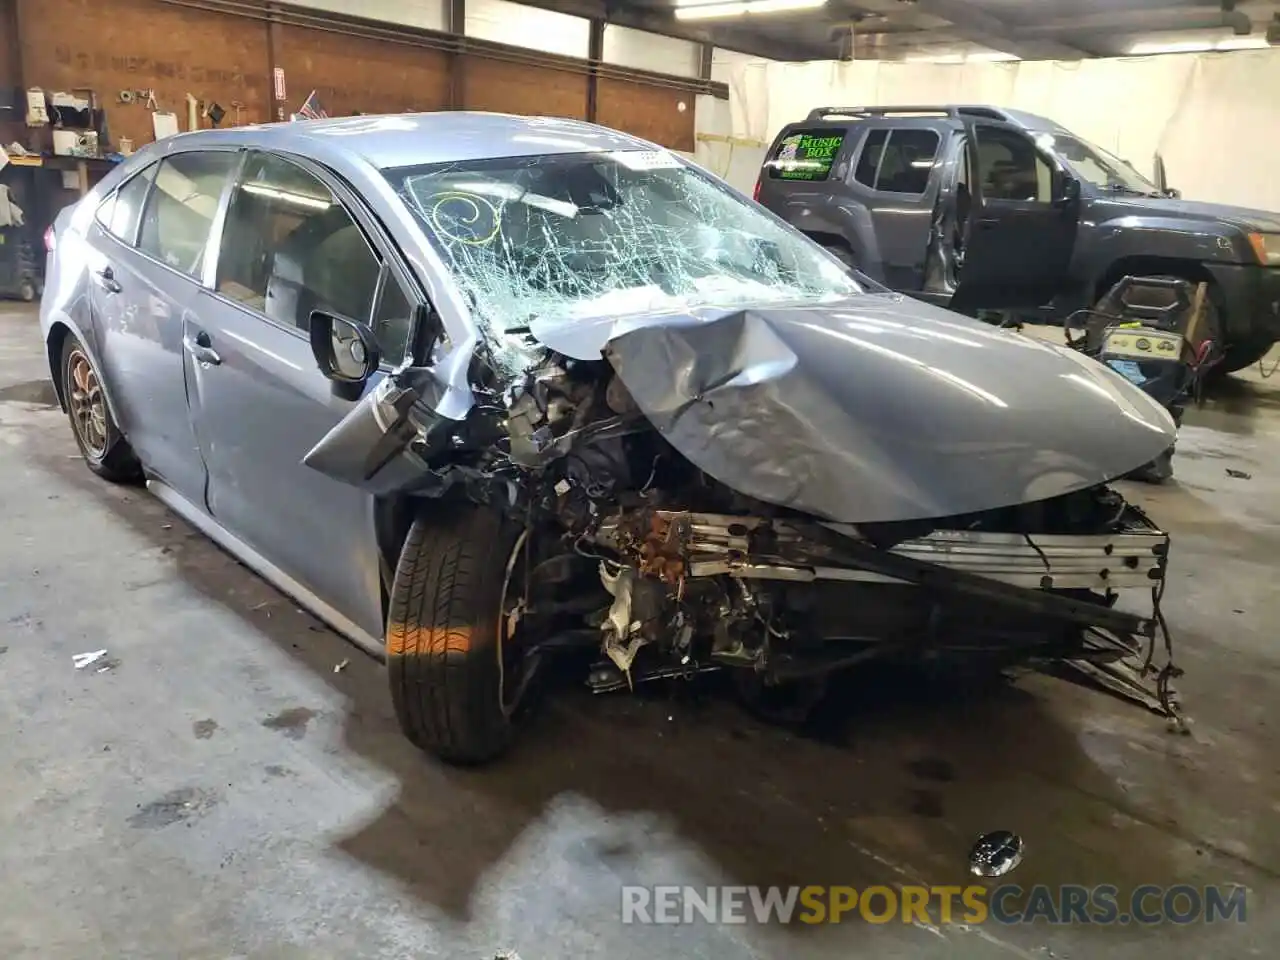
pixel 103 446
pixel 1245 353
pixel 452 635
pixel 1209 328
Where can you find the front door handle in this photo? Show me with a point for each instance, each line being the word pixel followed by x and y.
pixel 107 280
pixel 200 348
pixel 986 223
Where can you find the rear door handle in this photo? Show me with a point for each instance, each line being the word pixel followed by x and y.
pixel 199 347
pixel 107 280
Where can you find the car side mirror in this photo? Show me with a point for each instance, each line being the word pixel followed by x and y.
pixel 1068 192
pixel 345 350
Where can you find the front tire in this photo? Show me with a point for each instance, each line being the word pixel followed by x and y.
pixel 445 636
pixel 1245 353
pixel 103 446
pixel 1210 327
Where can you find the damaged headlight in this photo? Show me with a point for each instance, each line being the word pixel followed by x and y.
pixel 1266 246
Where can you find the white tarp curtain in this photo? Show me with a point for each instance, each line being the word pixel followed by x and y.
pixel 1215 118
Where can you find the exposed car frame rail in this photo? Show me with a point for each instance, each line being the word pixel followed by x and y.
pixel 1013 569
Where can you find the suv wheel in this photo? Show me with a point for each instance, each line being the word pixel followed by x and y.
pixel 1245 353
pixel 1209 328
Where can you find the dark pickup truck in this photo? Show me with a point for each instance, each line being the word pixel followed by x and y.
pixel 982 208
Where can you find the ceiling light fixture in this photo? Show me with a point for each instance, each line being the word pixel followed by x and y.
pixel 710 11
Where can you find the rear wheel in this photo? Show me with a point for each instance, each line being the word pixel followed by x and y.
pixel 453 655
pixel 103 446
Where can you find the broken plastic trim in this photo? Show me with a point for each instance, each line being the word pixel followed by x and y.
pixel 384 443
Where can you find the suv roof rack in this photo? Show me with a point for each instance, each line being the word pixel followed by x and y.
pixel 989 113
pixel 822 113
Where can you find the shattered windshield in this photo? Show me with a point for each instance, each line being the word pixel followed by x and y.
pixel 585 235
pixel 1097 166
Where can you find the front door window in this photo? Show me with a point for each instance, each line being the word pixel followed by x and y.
pixel 290 247
pixel 1011 168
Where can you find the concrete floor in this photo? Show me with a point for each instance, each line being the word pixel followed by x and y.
pixel 222 792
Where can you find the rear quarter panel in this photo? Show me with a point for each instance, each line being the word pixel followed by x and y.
pixel 67 304
pixel 826 208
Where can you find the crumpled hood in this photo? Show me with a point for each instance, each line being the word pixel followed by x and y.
pixel 881 409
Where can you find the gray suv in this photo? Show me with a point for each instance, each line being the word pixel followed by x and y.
pixel 978 207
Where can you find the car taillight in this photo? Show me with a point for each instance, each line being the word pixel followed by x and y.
pixel 50 240
pixel 755 194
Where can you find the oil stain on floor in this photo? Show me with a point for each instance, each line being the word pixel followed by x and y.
pixel 292 722
pixel 176 806
pixel 39 392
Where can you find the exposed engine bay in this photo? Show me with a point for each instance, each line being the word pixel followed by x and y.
pixel 630 549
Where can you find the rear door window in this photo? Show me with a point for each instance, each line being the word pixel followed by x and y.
pixel 869 159
pixel 898 161
pixel 180 211
pixel 122 211
pixel 806 154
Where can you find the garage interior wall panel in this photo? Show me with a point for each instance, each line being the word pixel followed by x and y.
pixel 359 75
pixel 546 30
pixel 502 87
pixel 8 63
pixel 140 45
pixel 725 142
pixel 642 50
pixel 643 110
pixel 424 14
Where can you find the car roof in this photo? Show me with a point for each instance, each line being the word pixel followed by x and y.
pixel 405 139
pixel 1031 122
pixel 850 116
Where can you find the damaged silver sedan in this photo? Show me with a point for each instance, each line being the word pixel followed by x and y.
pixel 479 390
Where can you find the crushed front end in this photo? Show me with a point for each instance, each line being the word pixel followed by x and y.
pixel 724 494
pixel 791 600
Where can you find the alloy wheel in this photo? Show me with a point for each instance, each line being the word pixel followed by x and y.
pixel 88 409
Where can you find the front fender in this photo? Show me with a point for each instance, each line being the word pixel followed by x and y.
pixel 1166 238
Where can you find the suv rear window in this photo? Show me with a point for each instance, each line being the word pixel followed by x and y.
pixel 805 154
pixel 900 165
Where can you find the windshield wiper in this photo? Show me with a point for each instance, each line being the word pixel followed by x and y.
pixel 1133 191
